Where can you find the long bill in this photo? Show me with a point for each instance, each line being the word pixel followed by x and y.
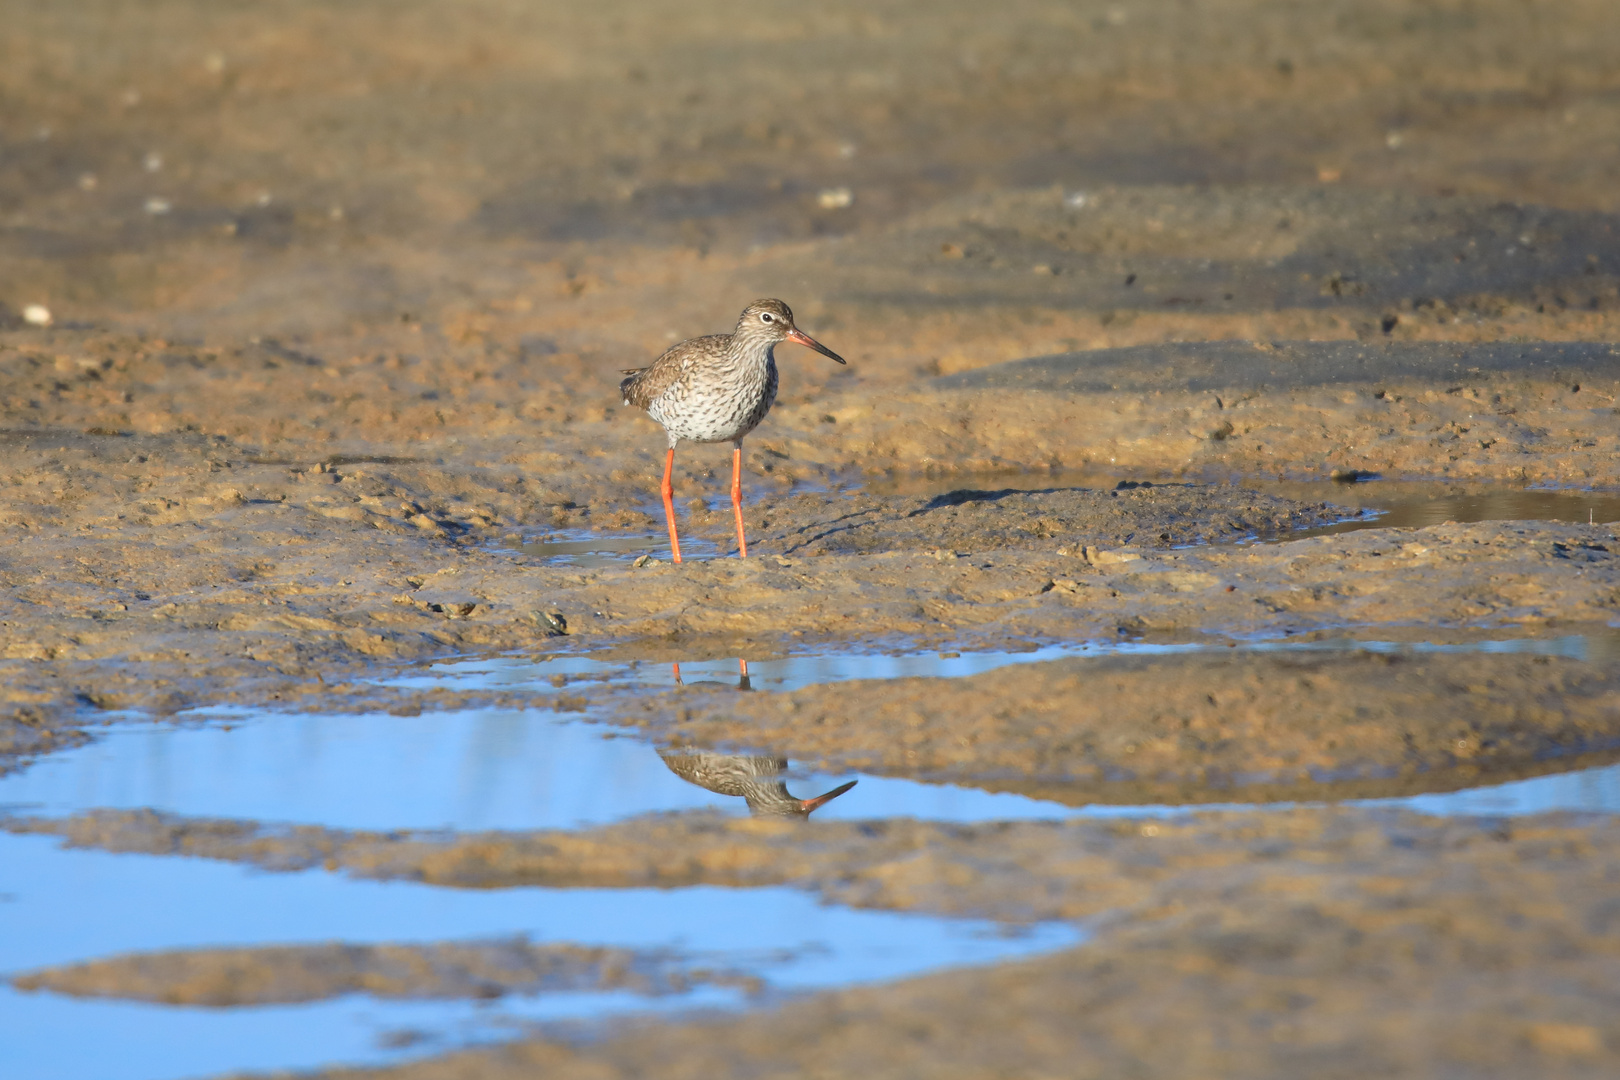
pixel 799 337
pixel 807 805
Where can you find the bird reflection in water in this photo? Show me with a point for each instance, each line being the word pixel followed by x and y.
pixel 758 779
pixel 742 675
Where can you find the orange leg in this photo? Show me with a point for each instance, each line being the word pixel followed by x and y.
pixel 669 507
pixel 736 499
pixel 677 669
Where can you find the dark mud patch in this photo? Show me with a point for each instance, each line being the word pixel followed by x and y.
pixel 1221 249
pixel 1243 365
pixel 973 520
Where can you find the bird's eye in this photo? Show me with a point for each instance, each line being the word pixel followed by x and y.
pixel 766 316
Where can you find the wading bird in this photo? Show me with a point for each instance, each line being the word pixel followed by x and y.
pixel 757 779
pixel 717 389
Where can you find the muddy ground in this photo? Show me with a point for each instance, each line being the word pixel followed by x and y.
pixel 339 297
pixel 1330 942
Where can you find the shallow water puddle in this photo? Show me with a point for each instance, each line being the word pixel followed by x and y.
pixel 554 671
pixel 577 547
pixel 1388 503
pixel 1406 504
pixel 494 769
pixel 466 770
pixel 513 770
pixel 54 914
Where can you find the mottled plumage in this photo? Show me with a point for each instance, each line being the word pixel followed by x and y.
pixel 758 780
pixel 717 389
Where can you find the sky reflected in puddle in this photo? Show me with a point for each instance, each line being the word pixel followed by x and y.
pixel 55 912
pixel 533 769
pixel 1400 503
pixel 579 547
pixel 507 769
pixel 1406 504
pixel 466 770
pixel 554 671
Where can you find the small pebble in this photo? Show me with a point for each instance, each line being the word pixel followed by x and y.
pixel 837 198
pixel 153 161
pixel 158 207
pixel 37 315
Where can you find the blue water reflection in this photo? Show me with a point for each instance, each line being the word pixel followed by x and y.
pixel 56 911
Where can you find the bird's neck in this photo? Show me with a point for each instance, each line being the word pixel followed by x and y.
pixel 758 352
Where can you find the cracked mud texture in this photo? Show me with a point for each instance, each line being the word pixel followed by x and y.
pixel 340 295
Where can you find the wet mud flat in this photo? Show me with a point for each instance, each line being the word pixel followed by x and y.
pixel 340 712
pixel 1160 715
pixel 1363 895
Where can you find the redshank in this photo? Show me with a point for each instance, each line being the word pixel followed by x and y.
pixel 717 389
pixel 757 779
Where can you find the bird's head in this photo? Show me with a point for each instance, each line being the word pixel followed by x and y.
pixel 772 321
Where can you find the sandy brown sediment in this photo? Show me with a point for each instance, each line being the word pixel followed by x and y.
pixel 326 599
pixel 1192 728
pixel 1251 943
pixel 340 295
pixel 292 973
pixel 1012 871
pixel 1333 952
pixel 396 142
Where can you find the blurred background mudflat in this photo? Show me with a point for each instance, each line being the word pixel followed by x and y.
pixel 313 167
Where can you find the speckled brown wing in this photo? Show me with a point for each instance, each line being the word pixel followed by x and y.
pixel 726 774
pixel 644 385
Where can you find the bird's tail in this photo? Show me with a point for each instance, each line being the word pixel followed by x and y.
pixel 807 805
